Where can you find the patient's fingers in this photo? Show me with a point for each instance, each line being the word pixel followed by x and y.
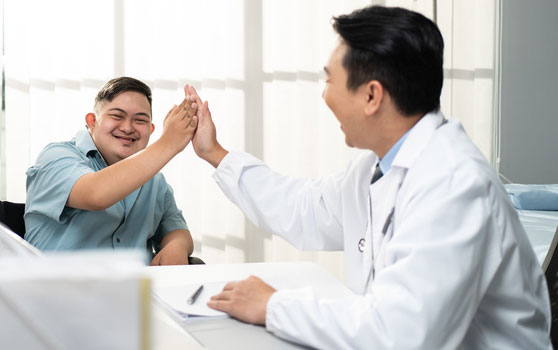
pixel 169 113
pixel 193 123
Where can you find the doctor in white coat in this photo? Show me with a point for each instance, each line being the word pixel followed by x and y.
pixel 435 254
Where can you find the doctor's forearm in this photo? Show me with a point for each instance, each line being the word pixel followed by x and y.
pixel 215 156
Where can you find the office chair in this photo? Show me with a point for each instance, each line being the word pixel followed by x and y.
pixel 11 215
pixel 550 268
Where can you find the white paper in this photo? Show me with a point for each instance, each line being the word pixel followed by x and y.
pixel 176 297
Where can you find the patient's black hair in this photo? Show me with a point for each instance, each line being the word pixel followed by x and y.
pixel 116 86
pixel 401 49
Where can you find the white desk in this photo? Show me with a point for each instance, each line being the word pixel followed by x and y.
pixel 229 333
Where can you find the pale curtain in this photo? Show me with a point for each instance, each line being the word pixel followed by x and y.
pixel 259 63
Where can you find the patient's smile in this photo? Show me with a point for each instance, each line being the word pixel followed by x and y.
pixel 125 139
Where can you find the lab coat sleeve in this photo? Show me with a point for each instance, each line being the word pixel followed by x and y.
pixel 429 290
pixel 304 212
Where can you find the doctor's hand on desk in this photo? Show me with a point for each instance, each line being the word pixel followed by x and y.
pixel 245 300
pixel 205 141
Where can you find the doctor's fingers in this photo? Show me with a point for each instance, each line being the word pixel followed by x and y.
pixel 190 91
pixel 230 303
pixel 221 305
pixel 205 115
pixel 223 296
pixel 231 285
pixel 203 112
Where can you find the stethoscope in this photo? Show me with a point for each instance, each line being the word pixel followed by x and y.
pixel 389 219
pixel 387 223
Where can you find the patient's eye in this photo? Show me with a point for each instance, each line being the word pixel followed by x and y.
pixel 142 120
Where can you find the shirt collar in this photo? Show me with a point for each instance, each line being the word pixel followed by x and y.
pixel 387 160
pixel 85 143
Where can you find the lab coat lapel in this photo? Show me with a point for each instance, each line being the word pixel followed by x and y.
pixel 355 221
pixel 384 197
pixel 417 139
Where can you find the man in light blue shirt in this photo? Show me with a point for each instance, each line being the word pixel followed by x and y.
pixel 90 193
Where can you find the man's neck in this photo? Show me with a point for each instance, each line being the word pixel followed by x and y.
pixel 394 130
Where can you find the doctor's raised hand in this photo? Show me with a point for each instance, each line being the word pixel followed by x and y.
pixel 245 300
pixel 205 141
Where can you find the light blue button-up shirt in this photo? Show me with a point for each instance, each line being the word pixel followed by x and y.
pixel 150 211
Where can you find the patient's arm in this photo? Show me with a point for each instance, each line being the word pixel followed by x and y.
pixel 176 247
pixel 100 190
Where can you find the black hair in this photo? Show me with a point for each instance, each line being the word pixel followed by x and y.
pixel 401 49
pixel 116 86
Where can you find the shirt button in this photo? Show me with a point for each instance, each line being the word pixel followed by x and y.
pixel 117 240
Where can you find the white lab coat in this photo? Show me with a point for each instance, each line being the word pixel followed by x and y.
pixel 454 269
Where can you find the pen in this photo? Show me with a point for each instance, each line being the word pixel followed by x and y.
pixel 195 296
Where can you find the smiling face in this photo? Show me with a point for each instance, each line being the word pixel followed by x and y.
pixel 121 127
pixel 346 105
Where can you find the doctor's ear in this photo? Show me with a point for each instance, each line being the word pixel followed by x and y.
pixel 90 119
pixel 374 93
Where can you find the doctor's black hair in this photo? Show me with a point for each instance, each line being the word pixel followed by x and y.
pixel 116 86
pixel 401 49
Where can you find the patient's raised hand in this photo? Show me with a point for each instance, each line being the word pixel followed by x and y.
pixel 180 124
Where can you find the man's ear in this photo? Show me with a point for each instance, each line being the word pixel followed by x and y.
pixel 90 119
pixel 152 128
pixel 375 94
